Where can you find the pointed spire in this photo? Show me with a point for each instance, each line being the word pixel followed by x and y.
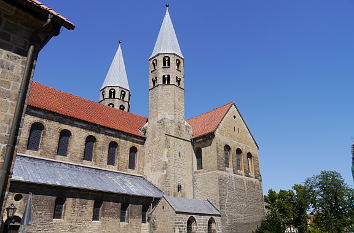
pixel 167 40
pixel 117 76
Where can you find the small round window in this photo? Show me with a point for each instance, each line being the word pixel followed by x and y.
pixel 18 197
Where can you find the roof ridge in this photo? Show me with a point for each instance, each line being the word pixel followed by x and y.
pixel 211 110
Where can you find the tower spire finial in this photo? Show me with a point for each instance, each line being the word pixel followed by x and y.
pixel 167 5
pixel 119 41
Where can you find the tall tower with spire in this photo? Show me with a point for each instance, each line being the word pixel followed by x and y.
pixel 115 88
pixel 168 149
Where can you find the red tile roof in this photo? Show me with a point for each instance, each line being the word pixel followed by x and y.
pixel 50 10
pixel 63 103
pixel 209 121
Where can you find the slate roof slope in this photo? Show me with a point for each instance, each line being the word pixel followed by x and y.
pixel 57 101
pixel 48 172
pixel 192 206
pixel 167 40
pixel 117 75
pixel 209 121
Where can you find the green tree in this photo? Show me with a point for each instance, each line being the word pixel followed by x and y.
pixel 273 223
pixel 332 201
pixel 300 207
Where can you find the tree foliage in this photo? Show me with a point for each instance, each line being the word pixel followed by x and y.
pixel 332 201
pixel 326 194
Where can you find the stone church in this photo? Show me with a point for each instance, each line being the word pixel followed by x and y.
pixel 96 167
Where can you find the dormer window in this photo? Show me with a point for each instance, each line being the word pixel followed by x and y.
pixel 178 81
pixel 112 93
pixel 178 64
pixel 154 64
pixel 166 79
pixel 166 61
pixel 122 94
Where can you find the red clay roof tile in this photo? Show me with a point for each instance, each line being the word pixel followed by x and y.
pixel 60 102
pixel 50 10
pixel 209 121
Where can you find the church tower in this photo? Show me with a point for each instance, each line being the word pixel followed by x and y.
pixel 115 89
pixel 168 150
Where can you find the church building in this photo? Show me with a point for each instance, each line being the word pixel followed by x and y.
pixel 97 167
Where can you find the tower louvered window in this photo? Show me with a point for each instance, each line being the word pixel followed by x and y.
pixel 166 79
pixel 63 142
pixel 178 81
pixel 178 64
pixel 96 210
pixel 132 157
pixel 112 93
pixel 35 135
pixel 122 94
pixel 227 155
pixel 238 158
pixel 166 61
pixel 58 207
pixel 89 146
pixel 199 158
pixel 112 150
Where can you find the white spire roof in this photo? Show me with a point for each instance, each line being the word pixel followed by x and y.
pixel 117 76
pixel 167 40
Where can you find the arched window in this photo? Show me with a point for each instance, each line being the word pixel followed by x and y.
pixel 211 225
pixel 132 157
pixel 121 107
pixel 227 155
pixel 89 145
pixel 166 61
pixel 112 93
pixel 63 142
pixel 178 81
pixel 191 225
pixel 111 105
pixel 35 136
pixel 96 210
pixel 102 94
pixel 198 155
pixel 154 81
pixel 122 94
pixel 249 163
pixel 238 158
pixel 58 207
pixel 112 150
pixel 178 64
pixel 154 64
pixel 166 79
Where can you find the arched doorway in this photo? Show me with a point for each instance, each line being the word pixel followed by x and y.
pixel 191 225
pixel 211 226
pixel 13 226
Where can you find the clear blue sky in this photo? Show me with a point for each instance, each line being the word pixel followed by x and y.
pixel 288 66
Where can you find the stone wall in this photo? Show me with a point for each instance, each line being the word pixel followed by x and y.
pixel 165 219
pixel 16 28
pixel 239 194
pixel 55 123
pixel 78 210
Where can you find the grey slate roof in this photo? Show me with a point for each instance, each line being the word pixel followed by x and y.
pixel 117 75
pixel 192 206
pixel 167 40
pixel 41 171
